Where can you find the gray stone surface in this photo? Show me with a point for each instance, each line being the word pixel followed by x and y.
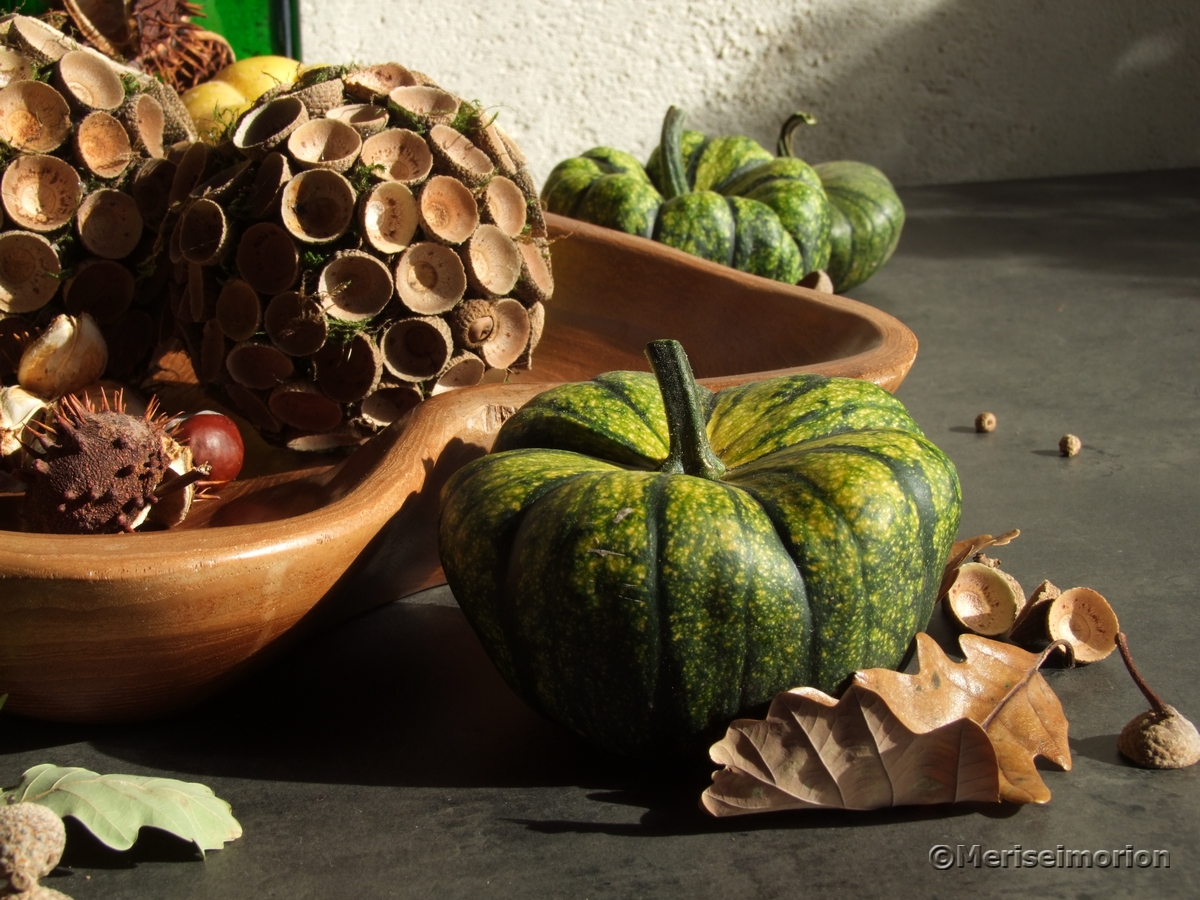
pixel 386 759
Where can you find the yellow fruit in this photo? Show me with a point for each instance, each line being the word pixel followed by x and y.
pixel 256 75
pixel 213 106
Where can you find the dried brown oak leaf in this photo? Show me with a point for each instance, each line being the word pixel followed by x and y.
pixel 953 732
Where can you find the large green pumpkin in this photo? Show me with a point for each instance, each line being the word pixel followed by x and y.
pixel 726 200
pixel 645 560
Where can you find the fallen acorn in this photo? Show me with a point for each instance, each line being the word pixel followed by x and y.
pixel 1160 738
pixel 985 422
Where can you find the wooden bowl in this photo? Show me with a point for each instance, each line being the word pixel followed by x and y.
pixel 122 627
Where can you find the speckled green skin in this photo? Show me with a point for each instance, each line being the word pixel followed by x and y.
pixel 645 610
pixel 867 220
pixel 605 187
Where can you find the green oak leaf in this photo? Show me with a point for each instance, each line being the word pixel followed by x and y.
pixel 114 807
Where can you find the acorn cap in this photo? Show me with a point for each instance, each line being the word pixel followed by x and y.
pixel 388 216
pixel 324 144
pixel 365 118
pixel 102 145
pixel 202 291
pixel 417 349
pixel 189 172
pixel 349 371
pixel 982 600
pixel 40 43
pixel 457 156
pixel 354 286
pixel 265 127
pixel 317 206
pixel 389 402
pixel 225 184
pixel 88 82
pixel 104 25
pixel 40 193
pixel 109 223
pixel 492 261
pixel 214 347
pixel 252 405
pixel 13 67
pixel 504 205
pixel 267 258
pixel 537 322
pixel 402 155
pixel 258 365
pixel 449 213
pixel 1084 619
pixel 320 97
pixel 300 404
pixel 489 139
pixel 101 288
pixel 204 233
pixel 295 324
pixel 239 312
pixel 430 278
pixel 346 435
pixel 376 81
pixel 423 105
pixel 465 369
pixel 151 190
pixel 273 173
pixel 29 267
pixel 536 282
pixel 144 120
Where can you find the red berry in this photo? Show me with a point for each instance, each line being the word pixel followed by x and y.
pixel 214 439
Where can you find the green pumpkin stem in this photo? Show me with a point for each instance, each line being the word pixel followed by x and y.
pixel 794 121
pixel 672 155
pixel 689 453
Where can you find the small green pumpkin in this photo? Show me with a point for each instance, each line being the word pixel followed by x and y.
pixel 645 560
pixel 867 215
pixel 726 200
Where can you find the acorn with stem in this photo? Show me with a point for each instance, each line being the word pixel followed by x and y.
pixel 1160 738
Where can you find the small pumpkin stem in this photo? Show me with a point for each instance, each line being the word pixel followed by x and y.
pixel 1155 701
pixel 672 154
pixel 689 453
pixel 794 121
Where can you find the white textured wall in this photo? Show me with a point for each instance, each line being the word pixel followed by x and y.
pixel 932 91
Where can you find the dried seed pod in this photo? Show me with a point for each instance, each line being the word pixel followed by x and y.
pixel 265 127
pixel 457 156
pixel 102 145
pixel 349 371
pixel 258 366
pixel 1069 445
pixel 151 190
pixel 417 349
pixel 504 205
pixel 204 233
pixel 239 312
pixel 296 324
pixel 88 82
pixel 423 106
pixel 40 193
pixel 68 355
pixel 29 268
pixel 354 286
pixel 101 288
pixel 18 408
pixel 273 173
pixel 465 369
pixel 301 405
pixel 267 258
pixel 449 213
pixel 365 118
pixel 537 322
pixel 13 67
pixel 376 81
pixel 389 402
pixel 37 41
pixel 397 154
pixel 110 225
pixel 32 840
pixel 985 422
pixel 492 261
pixel 430 278
pixel 1084 619
pixel 317 206
pixel 388 216
pixel 1160 738
pixel 144 120
pixel 177 489
pixel 536 282
pixel 982 600
pixel 324 144
pixel 320 97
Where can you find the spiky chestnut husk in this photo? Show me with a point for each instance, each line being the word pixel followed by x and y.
pixel 96 471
